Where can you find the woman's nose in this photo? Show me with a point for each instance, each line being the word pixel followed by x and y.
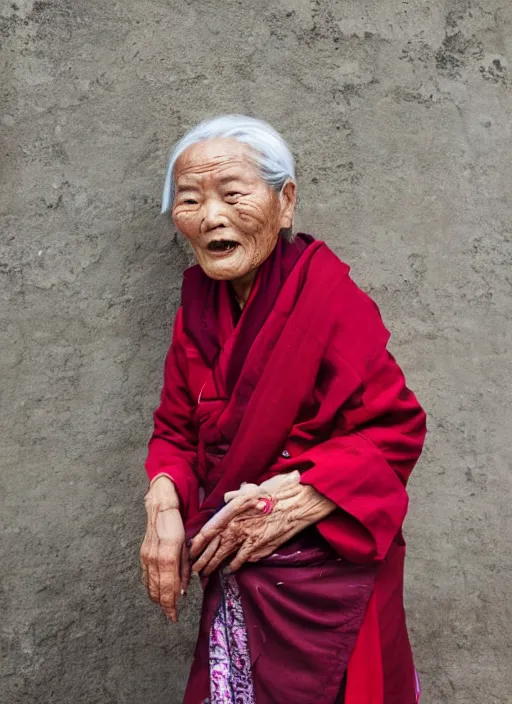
pixel 213 215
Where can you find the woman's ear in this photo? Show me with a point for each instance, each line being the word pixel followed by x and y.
pixel 288 198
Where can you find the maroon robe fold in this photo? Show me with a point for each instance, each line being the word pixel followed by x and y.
pixel 314 390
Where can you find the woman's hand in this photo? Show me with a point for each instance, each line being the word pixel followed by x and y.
pixel 256 521
pixel 163 554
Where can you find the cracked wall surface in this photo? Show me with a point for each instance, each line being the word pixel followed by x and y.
pixel 399 114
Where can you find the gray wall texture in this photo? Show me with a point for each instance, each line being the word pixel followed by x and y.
pixel 399 113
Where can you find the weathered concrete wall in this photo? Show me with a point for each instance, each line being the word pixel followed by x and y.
pixel 400 116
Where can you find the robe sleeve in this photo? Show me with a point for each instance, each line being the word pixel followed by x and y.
pixel 173 444
pixel 363 467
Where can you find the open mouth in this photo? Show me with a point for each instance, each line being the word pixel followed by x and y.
pixel 222 246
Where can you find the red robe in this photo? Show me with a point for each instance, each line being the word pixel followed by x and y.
pixel 317 386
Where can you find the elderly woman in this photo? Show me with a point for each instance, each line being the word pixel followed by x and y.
pixel 282 445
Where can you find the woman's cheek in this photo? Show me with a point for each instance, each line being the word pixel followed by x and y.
pixel 251 213
pixel 185 222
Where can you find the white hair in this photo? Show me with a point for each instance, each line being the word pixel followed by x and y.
pixel 271 151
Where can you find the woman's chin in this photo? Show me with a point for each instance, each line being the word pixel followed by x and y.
pixel 226 268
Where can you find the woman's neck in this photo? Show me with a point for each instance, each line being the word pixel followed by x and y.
pixel 243 287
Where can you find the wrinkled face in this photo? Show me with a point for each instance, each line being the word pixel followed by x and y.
pixel 230 216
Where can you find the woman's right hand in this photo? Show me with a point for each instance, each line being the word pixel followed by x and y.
pixel 163 554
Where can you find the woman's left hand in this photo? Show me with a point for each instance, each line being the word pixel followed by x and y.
pixel 256 521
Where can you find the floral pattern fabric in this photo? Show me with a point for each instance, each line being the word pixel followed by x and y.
pixel 230 659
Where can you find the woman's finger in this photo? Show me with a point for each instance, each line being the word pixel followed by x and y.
pixel 226 514
pixel 153 572
pixel 245 490
pixel 169 557
pixel 219 522
pixel 144 554
pixel 256 550
pixel 281 480
pixel 277 486
pixel 276 483
pixel 242 556
pixel 201 540
pixel 207 554
pixel 262 551
pixel 151 556
pixel 171 535
pixel 184 570
pixel 227 547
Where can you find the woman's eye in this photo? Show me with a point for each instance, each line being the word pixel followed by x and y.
pixel 190 201
pixel 233 195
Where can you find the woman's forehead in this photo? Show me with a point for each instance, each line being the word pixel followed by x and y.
pixel 215 155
